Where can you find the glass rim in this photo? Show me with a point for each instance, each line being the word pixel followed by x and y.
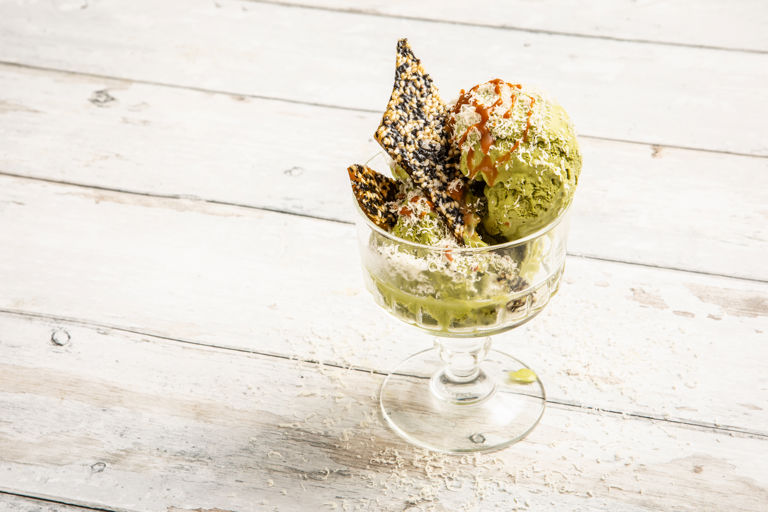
pixel 512 243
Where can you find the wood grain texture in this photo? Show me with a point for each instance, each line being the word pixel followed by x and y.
pixel 738 25
pixel 635 203
pixel 647 93
pixel 142 424
pixel 639 340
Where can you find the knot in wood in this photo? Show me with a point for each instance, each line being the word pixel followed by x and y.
pixel 60 337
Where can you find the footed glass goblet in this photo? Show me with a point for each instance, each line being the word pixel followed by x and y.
pixel 461 396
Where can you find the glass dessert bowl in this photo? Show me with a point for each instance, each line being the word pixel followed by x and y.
pixel 465 239
pixel 461 396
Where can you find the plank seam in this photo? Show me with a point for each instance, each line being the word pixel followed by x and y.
pixel 60 501
pixel 564 404
pixel 511 28
pixel 183 197
pixel 194 88
pixel 173 197
pixel 662 267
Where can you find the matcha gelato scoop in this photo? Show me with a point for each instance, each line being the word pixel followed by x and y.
pixel 418 220
pixel 522 145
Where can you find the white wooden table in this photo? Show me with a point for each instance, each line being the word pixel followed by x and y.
pixel 183 324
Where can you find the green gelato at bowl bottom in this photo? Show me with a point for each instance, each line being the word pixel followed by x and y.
pixel 445 314
pixel 459 294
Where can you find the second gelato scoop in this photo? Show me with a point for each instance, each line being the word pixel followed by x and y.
pixel 523 146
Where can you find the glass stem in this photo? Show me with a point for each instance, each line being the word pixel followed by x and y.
pixel 462 380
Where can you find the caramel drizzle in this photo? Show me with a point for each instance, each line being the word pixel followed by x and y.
pixel 486 165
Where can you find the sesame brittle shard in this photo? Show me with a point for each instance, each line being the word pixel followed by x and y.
pixel 374 193
pixel 413 132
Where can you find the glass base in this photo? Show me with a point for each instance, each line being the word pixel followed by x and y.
pixel 488 413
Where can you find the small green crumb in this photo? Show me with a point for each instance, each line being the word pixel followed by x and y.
pixel 523 376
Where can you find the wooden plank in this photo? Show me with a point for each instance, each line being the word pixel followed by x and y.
pixel 648 93
pixel 622 337
pixel 162 426
pixel 738 26
pixel 635 203
pixel 13 503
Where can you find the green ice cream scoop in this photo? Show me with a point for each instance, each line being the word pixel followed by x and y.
pixel 418 221
pixel 524 203
pixel 523 146
pixel 427 230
